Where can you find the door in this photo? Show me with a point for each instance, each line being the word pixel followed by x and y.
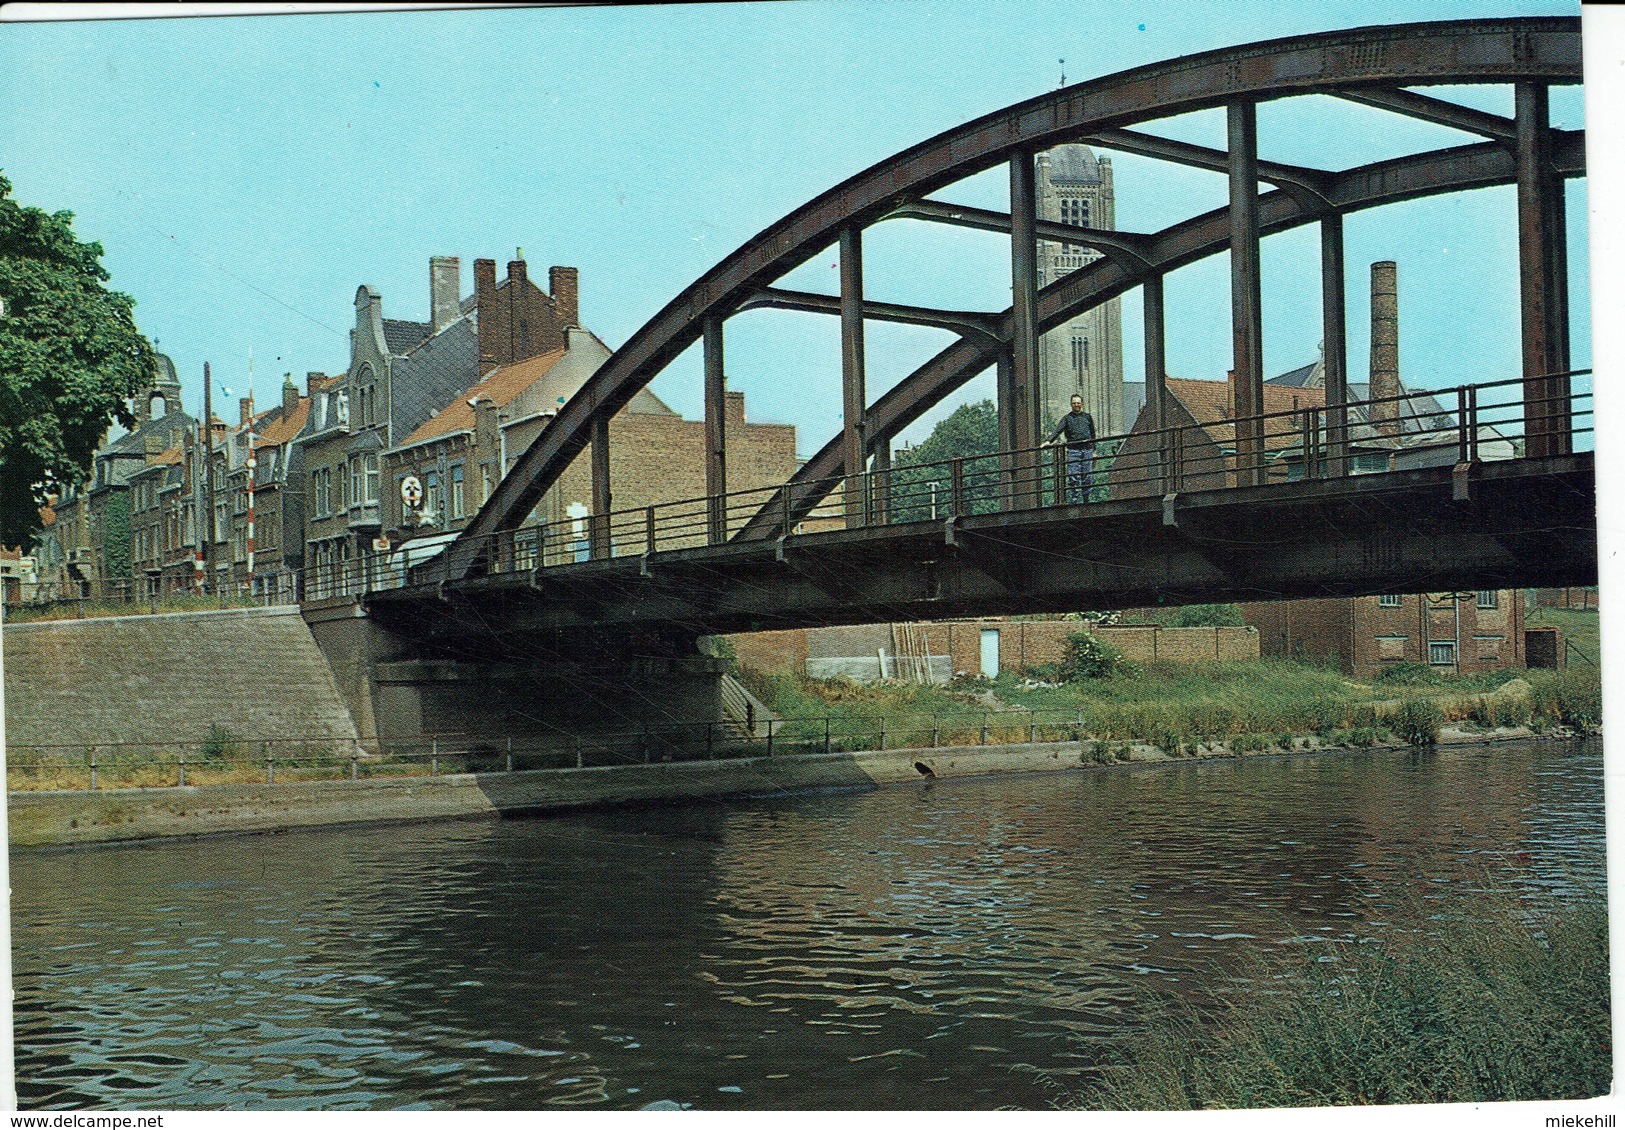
pixel 990 652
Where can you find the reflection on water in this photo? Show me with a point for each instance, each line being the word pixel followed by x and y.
pixel 951 944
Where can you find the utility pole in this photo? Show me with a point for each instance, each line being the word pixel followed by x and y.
pixel 206 517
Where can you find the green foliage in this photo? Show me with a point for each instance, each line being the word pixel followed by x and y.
pixel 69 356
pixel 1086 656
pixel 1417 721
pixel 1572 697
pixel 1496 1000
pixel 1408 674
pixel 116 534
pixel 1198 616
pixel 220 745
pixel 971 433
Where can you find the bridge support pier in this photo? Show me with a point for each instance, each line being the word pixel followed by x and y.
pixel 407 679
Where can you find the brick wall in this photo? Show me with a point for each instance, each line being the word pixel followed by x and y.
pixel 1022 643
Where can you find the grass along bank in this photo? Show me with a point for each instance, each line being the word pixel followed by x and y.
pixel 1494 999
pixel 1186 710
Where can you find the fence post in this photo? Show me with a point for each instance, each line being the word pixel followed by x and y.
pixel 510 753
pixel 93 767
pixel 649 529
pixel 434 757
pixel 270 765
pixel 355 759
pixel 984 729
pixel 181 784
pixel 1032 726
pixel 826 733
pixel 770 722
pixel 956 488
pixel 882 731
pixel 936 730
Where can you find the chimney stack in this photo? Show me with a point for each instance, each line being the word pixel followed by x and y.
pixel 1385 345
pixel 311 381
pixel 562 281
pixel 290 395
pixel 485 301
pixel 516 271
pixel 445 283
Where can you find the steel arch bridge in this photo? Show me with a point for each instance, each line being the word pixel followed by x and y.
pixel 1374 66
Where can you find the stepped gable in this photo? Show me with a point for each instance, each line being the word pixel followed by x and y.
pixel 256 672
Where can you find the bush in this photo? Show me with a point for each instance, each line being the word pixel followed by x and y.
pixel 1088 657
pixel 1417 721
pixel 220 745
pixel 1496 1001
pixel 1409 674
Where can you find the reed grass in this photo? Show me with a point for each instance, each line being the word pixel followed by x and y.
pixel 1494 999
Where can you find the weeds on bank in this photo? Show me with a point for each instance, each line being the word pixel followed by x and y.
pixel 1497 999
pixel 1251 706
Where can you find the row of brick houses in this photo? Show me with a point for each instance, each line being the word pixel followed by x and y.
pixel 401 448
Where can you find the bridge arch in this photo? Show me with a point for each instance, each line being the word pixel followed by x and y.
pixel 1373 66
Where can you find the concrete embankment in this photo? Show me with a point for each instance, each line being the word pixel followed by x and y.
pixel 256 672
pixel 47 819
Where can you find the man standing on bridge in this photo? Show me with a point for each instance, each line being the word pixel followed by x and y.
pixel 1079 427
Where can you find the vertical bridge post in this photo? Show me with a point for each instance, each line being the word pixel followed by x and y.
pixel 716 435
pixel 1333 324
pixel 598 536
pixel 1156 372
pixel 854 399
pixel 1023 407
pixel 1246 312
pixel 1542 267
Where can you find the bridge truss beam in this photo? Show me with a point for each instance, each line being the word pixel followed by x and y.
pixel 1372 62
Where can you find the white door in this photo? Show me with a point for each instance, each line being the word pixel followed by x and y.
pixel 990 652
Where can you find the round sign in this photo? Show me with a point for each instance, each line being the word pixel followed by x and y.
pixel 411 491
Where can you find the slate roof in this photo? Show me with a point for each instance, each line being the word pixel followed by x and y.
pixel 1297 378
pixel 402 337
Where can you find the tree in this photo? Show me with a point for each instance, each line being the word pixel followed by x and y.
pixel 69 357
pixel 971 433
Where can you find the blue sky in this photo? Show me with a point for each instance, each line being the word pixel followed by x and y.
pixel 246 174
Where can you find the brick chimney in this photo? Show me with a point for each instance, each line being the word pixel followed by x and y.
pixel 311 381
pixel 485 300
pixel 290 395
pixel 445 283
pixel 517 272
pixel 1385 345
pixel 563 282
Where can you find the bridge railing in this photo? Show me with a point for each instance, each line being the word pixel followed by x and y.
pixel 1470 424
pixel 227 759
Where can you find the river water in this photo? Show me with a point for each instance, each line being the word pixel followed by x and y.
pixel 952 944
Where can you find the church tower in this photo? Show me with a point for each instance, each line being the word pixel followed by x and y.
pixel 1084 355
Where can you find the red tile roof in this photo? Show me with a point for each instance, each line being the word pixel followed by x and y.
pixel 501 386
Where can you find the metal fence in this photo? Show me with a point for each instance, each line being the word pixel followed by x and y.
pixel 226 759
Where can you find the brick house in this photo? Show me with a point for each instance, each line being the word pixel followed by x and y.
pixel 1461 633
pixel 85 547
pixel 655 456
pixel 276 509
pixel 400 373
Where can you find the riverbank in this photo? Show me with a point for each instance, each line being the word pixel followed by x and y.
pixel 39 820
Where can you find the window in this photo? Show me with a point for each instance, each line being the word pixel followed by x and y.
pixel 1388 601
pixel 457 490
pixel 432 501
pixel 369 477
pixel 1442 653
pixel 1076 213
pixel 1080 355
pixel 1487 598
